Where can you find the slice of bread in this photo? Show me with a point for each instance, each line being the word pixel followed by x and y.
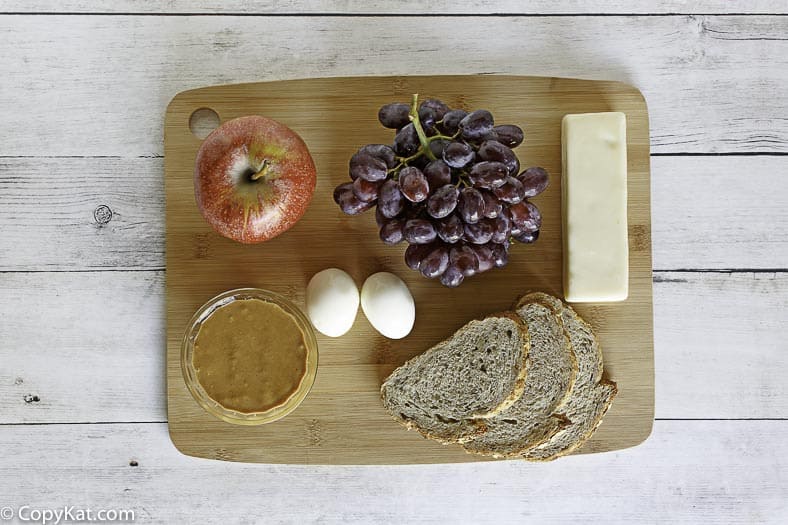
pixel 589 398
pixel 478 372
pixel 551 373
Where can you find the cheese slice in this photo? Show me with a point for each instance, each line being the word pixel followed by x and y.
pixel 594 204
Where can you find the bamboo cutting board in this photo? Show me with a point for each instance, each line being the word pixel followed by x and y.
pixel 342 420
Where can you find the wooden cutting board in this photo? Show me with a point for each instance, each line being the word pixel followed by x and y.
pixel 342 420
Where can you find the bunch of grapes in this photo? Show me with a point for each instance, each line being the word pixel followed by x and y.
pixel 450 185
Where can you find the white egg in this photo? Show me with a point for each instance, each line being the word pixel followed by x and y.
pixel 388 305
pixel 332 301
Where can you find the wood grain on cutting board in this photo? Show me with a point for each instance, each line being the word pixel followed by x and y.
pixel 342 420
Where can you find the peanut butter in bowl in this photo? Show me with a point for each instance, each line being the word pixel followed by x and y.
pixel 249 357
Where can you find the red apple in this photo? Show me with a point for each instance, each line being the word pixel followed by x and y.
pixel 253 179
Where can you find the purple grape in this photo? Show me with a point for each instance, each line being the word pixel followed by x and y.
pixel 492 206
pixel 394 115
pixel 535 181
pixel 511 192
pixel 488 174
pixel 500 255
pixel 419 231
pixel 413 184
pixel 476 124
pixel 509 135
pixel 527 237
pixel 464 258
pixel 437 107
pixel 486 258
pixel 339 190
pixel 451 121
pixel 347 200
pixel 391 232
pixel 526 217
pixel 415 253
pixel 438 173
pixel 493 150
pixel 437 146
pixel 450 229
pixel 452 277
pixel 435 262
pixel 458 154
pixel 390 199
pixel 427 119
pixel 443 201
pixel 367 167
pixel 491 135
pixel 502 228
pixel 406 141
pixel 382 152
pixel 365 190
pixel 452 233
pixel 479 233
pixel 471 205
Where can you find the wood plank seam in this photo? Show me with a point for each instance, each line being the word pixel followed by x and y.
pixel 383 15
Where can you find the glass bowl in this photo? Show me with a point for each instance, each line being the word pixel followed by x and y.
pixel 215 408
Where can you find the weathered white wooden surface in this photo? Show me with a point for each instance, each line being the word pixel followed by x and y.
pixel 54 202
pixel 81 315
pixel 689 472
pixel 721 346
pixel 703 213
pixel 377 7
pixel 713 83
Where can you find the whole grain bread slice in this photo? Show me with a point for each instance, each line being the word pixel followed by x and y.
pixel 589 398
pixel 551 373
pixel 479 371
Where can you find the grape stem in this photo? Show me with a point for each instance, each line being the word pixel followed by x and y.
pixel 403 161
pixel 414 117
pixel 438 136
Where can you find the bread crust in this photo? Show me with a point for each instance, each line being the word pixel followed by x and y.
pixel 555 421
pixel 580 442
pixel 599 381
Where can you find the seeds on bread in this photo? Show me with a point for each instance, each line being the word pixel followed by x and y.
pixel 446 392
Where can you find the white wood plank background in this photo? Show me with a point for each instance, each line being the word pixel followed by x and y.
pixel 81 318
pixel 379 7
pixel 719 232
pixel 714 84
pixel 113 322
pixel 726 472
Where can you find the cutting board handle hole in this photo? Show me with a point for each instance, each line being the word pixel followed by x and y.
pixel 202 121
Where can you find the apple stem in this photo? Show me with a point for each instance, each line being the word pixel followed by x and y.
pixel 262 172
pixel 414 117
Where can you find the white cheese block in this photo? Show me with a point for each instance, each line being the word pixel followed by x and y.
pixel 594 204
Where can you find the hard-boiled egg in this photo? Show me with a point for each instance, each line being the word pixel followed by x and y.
pixel 332 301
pixel 388 305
